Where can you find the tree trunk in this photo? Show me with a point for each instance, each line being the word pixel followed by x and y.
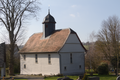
pixel 12 43
pixel 117 64
pixel 14 12
pixel 11 64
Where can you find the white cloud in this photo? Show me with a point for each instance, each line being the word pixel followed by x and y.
pixel 72 15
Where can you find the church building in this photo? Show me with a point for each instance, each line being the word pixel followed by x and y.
pixel 53 52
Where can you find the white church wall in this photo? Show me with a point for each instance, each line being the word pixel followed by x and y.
pixel 31 66
pixel 72 39
pixel 72 48
pixel 42 66
pixel 72 45
pixel 76 67
pixel 50 69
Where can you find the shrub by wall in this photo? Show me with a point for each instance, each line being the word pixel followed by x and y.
pixel 103 69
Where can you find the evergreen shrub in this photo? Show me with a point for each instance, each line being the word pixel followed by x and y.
pixel 103 69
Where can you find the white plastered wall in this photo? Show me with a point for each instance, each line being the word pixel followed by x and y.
pixel 42 67
pixel 72 46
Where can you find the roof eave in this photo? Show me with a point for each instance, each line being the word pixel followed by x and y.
pixel 36 52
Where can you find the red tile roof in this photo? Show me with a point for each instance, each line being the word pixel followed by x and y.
pixel 52 44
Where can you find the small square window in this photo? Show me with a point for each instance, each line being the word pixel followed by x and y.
pixel 79 66
pixel 24 66
pixel 65 68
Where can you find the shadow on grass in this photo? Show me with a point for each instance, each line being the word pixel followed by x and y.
pixel 56 77
pixel 105 77
pixel 102 77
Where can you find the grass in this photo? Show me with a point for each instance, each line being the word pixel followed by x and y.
pixel 15 79
pixel 102 77
pixel 55 77
pixel 105 77
pixel 73 77
pixel 52 78
pixel 20 79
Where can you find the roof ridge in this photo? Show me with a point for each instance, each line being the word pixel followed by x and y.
pixel 54 44
pixel 66 39
pixel 72 31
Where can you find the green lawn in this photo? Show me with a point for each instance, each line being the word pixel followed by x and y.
pixel 16 79
pixel 55 78
pixel 106 77
pixel 20 79
pixel 102 77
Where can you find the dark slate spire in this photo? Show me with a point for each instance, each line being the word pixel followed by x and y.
pixel 48 25
pixel 49 18
pixel 48 11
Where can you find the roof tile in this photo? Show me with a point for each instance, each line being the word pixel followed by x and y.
pixel 52 44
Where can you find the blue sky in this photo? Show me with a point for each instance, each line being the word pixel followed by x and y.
pixel 83 16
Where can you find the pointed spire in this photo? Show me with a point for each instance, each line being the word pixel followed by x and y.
pixel 48 11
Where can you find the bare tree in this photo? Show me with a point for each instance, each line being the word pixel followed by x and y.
pixel 93 58
pixel 108 38
pixel 13 14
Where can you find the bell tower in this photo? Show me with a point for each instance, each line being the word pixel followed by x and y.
pixel 48 25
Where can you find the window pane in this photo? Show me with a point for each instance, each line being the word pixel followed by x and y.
pixel 65 68
pixel 36 58
pixel 25 66
pixel 49 58
pixel 70 57
pixel 80 66
pixel 24 57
